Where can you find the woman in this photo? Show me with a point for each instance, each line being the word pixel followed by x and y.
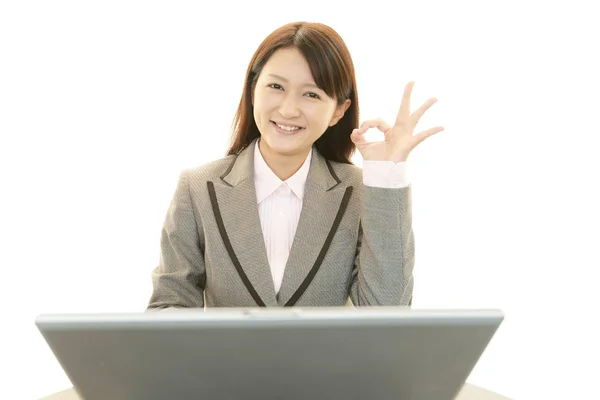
pixel 285 219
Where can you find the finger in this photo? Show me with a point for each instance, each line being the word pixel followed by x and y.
pixel 404 111
pixel 427 133
pixel 357 137
pixel 374 123
pixel 419 113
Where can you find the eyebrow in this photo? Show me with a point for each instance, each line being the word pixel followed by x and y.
pixel 312 85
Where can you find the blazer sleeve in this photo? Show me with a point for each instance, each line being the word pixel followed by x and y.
pixel 178 280
pixel 385 257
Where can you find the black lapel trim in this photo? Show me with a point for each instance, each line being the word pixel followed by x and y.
pixel 229 247
pixel 311 275
pixel 332 172
pixel 229 169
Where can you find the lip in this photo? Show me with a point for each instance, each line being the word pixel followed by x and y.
pixel 284 132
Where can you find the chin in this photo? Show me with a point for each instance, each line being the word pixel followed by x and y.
pixel 285 145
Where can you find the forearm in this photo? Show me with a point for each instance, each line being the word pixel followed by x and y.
pixel 385 258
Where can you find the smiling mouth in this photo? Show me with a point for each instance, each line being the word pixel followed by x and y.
pixel 287 128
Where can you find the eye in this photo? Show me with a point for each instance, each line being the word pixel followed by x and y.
pixel 313 95
pixel 274 86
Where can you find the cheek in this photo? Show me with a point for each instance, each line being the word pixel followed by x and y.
pixel 321 116
pixel 265 103
pixel 256 114
pixel 258 108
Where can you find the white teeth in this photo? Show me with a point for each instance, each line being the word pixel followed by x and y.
pixel 288 128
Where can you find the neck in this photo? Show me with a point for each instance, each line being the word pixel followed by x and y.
pixel 284 166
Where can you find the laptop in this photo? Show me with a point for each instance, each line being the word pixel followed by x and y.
pixel 270 353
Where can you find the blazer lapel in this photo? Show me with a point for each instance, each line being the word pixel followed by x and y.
pixel 233 199
pixel 325 201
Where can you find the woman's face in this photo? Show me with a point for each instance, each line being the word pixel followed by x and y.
pixel 291 112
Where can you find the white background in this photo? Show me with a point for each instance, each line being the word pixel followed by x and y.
pixel 102 104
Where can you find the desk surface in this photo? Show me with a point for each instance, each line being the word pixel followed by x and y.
pixel 469 392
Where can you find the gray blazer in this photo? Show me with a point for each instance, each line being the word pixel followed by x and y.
pixel 352 241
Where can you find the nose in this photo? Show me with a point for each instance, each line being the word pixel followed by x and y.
pixel 289 107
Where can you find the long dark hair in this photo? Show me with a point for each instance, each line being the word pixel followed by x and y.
pixel 333 71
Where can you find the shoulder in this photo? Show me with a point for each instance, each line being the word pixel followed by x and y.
pixel 208 171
